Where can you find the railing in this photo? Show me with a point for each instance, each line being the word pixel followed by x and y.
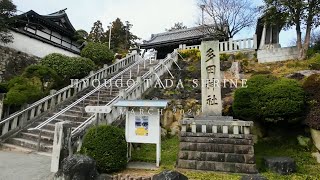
pixel 238 45
pixel 234 127
pixel 185 47
pixel 135 91
pixel 230 46
pixel 22 118
pixel 83 98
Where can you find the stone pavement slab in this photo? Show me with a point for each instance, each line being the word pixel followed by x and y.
pixel 24 166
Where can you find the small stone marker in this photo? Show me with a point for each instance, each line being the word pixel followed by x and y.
pixel 253 177
pixel 211 78
pixel 169 175
pixel 280 165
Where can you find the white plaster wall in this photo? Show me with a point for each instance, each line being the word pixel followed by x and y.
pixel 277 54
pixel 35 47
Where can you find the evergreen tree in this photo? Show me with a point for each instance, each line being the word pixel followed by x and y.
pixel 81 36
pixel 7 11
pixel 121 37
pixel 97 33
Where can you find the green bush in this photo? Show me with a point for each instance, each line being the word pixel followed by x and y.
pixel 22 91
pixel 99 53
pixel 107 145
pixel 270 99
pixel 68 67
pixel 44 74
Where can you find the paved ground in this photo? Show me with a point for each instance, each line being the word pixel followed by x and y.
pixel 24 166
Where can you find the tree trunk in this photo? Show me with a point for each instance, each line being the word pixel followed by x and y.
pixel 299 42
pixel 311 13
pixel 306 42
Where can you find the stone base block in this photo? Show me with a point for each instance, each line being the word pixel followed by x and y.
pixel 281 165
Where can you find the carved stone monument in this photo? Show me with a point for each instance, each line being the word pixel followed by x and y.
pixel 212 142
pixel 211 78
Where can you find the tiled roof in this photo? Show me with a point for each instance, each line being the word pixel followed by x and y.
pixel 184 34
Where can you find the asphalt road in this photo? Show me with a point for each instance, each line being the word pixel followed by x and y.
pixel 24 166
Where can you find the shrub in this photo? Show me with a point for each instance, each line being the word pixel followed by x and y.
pixel 270 99
pixel 22 91
pixel 44 74
pixel 68 67
pixel 97 52
pixel 190 53
pixel 107 145
pixel 240 56
pixel 312 86
pixel 315 62
pixel 313 118
pixel 224 57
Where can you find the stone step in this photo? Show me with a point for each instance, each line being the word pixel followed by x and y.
pixel 30 144
pixel 45 132
pixel 68 117
pixel 35 137
pixel 93 102
pixel 16 148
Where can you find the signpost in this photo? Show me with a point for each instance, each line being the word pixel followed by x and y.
pixel 143 123
pixel 211 78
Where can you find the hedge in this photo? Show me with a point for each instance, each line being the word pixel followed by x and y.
pixel 107 145
pixel 270 99
pixel 69 67
pixel 98 52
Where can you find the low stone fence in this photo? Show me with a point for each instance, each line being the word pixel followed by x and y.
pixel 277 54
pixel 222 144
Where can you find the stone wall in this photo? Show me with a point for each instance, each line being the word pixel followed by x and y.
pixel 217 152
pixel 13 62
pixel 277 54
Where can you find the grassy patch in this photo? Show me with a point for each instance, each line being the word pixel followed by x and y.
pixel 308 168
pixel 169 153
pixel 307 165
pixel 283 68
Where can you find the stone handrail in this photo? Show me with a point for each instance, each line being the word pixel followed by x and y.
pixel 230 46
pixel 238 45
pixel 22 118
pixel 83 98
pixel 219 126
pixel 133 92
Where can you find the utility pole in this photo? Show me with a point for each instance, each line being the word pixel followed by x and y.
pixel 110 29
pixel 202 8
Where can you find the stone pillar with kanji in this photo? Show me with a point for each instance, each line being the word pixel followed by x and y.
pixel 211 79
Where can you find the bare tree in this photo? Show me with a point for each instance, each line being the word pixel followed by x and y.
pixel 229 17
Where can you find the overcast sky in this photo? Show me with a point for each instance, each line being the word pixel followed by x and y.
pixel 147 16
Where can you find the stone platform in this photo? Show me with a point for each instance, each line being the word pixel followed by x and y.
pixel 217 145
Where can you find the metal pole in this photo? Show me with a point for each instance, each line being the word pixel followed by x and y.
pixel 202 8
pixel 110 37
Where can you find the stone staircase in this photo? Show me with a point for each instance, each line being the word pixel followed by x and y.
pixel 33 140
